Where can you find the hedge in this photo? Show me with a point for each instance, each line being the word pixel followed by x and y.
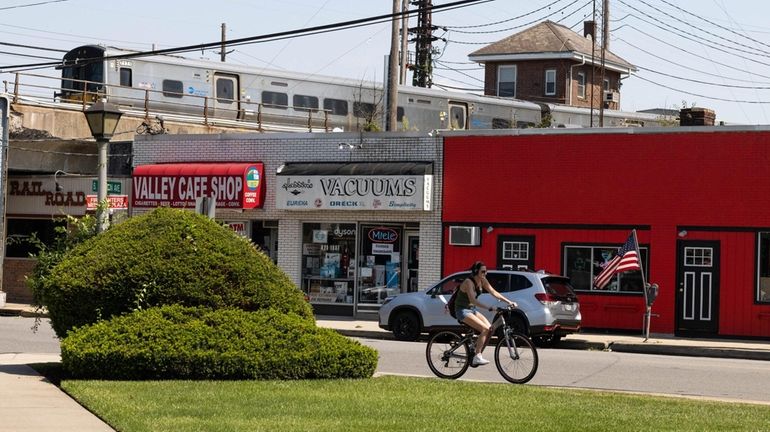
pixel 175 342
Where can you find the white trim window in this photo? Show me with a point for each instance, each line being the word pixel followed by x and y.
pixel 550 82
pixel 506 81
pixel 581 85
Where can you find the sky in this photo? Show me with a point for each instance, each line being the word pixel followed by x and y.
pixel 707 53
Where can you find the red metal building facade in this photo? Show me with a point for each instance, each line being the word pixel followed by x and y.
pixel 699 199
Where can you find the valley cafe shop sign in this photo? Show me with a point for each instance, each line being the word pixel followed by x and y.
pixel 355 186
pixel 233 185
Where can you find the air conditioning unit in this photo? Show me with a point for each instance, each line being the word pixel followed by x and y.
pixel 465 235
pixel 611 96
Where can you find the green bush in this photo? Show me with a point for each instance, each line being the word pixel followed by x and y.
pixel 163 257
pixel 198 343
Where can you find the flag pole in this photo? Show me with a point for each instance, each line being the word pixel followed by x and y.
pixel 648 309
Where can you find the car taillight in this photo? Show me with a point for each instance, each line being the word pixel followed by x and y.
pixel 546 299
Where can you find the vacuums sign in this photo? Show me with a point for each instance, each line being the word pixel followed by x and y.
pixel 385 192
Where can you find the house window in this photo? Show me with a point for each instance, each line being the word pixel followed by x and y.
pixel 581 85
pixel 583 263
pixel 550 82
pixel 506 81
pixel 763 267
pixel 606 85
pixel 515 250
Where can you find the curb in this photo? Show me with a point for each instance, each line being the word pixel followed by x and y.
pixel 22 313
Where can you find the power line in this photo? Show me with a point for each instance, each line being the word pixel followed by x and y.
pixel 518 26
pixel 27 55
pixel 269 37
pixel 32 47
pixel 505 20
pixel 700 95
pixel 703 82
pixel 32 4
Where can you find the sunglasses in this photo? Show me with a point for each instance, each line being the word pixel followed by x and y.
pixel 483 272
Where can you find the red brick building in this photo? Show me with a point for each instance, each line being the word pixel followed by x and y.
pixel 564 201
pixel 550 63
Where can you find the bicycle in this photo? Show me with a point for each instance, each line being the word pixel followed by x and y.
pixel 156 127
pixel 449 354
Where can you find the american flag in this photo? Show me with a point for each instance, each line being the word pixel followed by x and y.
pixel 626 259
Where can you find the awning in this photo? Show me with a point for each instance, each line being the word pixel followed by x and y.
pixel 404 186
pixel 233 185
pixel 356 168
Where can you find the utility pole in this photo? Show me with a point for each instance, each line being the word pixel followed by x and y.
pixel 605 47
pixel 404 42
pixel 593 62
pixel 423 65
pixel 393 69
pixel 222 51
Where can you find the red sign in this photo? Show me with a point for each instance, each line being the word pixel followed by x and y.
pixel 232 185
pixel 119 202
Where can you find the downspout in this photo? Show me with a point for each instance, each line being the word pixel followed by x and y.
pixel 570 77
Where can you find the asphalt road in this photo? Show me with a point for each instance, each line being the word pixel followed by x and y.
pixel 724 379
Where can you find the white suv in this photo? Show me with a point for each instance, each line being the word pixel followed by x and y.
pixel 548 308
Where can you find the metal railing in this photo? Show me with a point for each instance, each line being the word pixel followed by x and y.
pixel 153 102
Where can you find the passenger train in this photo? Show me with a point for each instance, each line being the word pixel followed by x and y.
pixel 297 101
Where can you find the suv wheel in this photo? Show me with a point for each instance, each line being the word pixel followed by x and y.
pixel 546 341
pixel 406 326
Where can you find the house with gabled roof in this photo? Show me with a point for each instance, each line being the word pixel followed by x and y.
pixel 550 63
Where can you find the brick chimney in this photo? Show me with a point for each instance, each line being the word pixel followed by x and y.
pixel 696 117
pixel 589 28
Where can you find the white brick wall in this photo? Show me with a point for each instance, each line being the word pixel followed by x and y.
pixel 275 149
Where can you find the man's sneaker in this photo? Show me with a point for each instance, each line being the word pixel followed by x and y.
pixel 478 360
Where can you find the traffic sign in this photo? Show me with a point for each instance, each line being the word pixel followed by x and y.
pixel 113 187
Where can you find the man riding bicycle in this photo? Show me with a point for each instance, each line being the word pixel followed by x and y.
pixel 467 301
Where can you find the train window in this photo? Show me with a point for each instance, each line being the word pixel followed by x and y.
pixel 173 88
pixel 364 109
pixel 457 116
pixel 498 123
pixel 275 99
pixel 225 90
pixel 399 113
pixel 305 103
pixel 506 81
pixel 125 77
pixel 336 106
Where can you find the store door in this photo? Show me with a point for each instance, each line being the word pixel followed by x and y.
pixel 516 252
pixel 412 261
pixel 697 294
pixel 380 263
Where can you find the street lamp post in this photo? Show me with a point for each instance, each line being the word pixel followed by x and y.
pixel 102 119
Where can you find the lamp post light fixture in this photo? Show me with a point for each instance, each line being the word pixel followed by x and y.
pixel 102 119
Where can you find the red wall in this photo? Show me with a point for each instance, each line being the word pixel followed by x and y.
pixel 592 187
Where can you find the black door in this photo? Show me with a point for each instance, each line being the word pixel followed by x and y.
pixel 697 294
pixel 516 252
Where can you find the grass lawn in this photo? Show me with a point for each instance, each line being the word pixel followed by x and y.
pixel 396 404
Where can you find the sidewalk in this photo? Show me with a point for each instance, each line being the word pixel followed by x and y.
pixel 656 344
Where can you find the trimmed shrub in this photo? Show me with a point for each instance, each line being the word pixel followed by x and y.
pixel 174 342
pixel 163 257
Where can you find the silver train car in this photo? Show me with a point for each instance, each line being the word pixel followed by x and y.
pixel 281 100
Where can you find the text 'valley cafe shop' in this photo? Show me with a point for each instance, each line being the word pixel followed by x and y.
pixel 342 240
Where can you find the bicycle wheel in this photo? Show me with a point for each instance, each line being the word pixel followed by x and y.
pixel 447 355
pixel 517 365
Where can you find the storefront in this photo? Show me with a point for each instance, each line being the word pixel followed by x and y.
pixel 36 205
pixel 357 264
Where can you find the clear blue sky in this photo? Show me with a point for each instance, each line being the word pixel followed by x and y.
pixel 716 51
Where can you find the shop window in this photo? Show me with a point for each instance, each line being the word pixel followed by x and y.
pixel 328 262
pixel 24 236
pixel 380 263
pixel 583 263
pixel 763 267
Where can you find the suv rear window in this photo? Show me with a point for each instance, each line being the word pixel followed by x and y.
pixel 559 287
